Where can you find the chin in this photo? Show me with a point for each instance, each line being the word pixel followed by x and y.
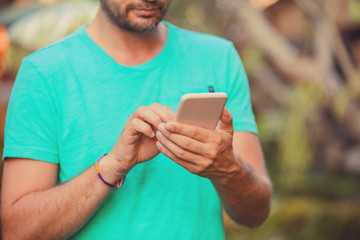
pixel 141 25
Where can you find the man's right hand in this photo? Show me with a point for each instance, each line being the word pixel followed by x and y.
pixel 137 142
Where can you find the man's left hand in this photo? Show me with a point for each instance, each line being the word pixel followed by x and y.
pixel 207 153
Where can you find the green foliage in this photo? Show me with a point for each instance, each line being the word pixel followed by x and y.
pixel 342 102
pixel 307 218
pixel 354 10
pixel 295 152
pixel 252 56
pixel 310 210
pixel 288 131
pixel 347 94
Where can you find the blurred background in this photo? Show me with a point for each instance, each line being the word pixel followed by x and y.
pixel 302 58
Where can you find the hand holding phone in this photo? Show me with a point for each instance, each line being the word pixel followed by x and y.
pixel 201 109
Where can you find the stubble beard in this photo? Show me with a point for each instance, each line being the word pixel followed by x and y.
pixel 120 16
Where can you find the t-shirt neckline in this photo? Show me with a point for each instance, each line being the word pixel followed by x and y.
pixel 154 62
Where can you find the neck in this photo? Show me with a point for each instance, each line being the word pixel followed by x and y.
pixel 125 47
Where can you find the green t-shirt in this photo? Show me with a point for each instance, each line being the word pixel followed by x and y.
pixel 68 106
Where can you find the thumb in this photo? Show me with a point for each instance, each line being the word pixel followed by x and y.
pixel 226 121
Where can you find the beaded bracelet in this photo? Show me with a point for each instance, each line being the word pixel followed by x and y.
pixel 114 186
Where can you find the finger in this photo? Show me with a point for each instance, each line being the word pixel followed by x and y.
pixel 194 132
pixel 226 121
pixel 179 152
pixel 147 115
pixel 184 142
pixel 187 165
pixel 164 112
pixel 139 126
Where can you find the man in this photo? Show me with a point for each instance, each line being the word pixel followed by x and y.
pixel 72 100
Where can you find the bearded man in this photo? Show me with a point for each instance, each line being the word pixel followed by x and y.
pixel 112 87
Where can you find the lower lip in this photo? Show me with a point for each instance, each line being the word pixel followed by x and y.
pixel 145 13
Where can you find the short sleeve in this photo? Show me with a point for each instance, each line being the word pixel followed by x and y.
pixel 30 126
pixel 239 102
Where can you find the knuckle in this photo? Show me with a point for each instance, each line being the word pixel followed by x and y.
pixel 168 113
pixel 196 171
pixel 206 165
pixel 202 168
pixel 155 105
pixel 135 114
pixel 201 148
pixel 168 108
pixel 181 153
pixel 211 154
pixel 217 140
pixel 141 108
pixel 194 132
pixel 139 111
pixel 134 121
pixel 186 143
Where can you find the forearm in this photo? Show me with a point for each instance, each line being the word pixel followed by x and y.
pixel 57 212
pixel 245 194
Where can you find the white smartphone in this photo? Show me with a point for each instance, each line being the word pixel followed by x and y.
pixel 201 109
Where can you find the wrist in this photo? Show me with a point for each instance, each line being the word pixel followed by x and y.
pixel 109 169
pixel 235 170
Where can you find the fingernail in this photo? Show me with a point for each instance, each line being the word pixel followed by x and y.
pixel 159 135
pixel 152 134
pixel 161 127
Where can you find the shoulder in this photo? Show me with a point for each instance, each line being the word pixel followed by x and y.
pixel 200 41
pixel 199 38
pixel 54 54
